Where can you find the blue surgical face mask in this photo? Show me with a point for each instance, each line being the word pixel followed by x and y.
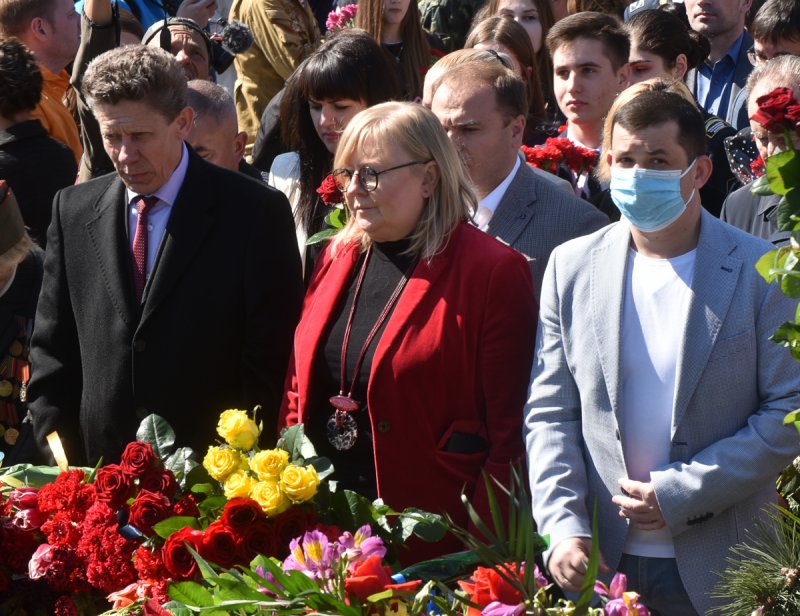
pixel 650 199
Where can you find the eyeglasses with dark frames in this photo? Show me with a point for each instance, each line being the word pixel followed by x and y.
pixel 367 176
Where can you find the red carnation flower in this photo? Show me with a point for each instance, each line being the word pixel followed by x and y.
pixel 148 509
pixel 61 530
pixel 106 554
pixel 240 513
pixel 67 493
pixel 138 458
pixel 259 538
pixel 186 506
pixel 329 192
pixel 369 577
pixel 219 545
pixel 177 559
pixel 113 485
pixel 159 480
pixel 149 564
pixel 772 108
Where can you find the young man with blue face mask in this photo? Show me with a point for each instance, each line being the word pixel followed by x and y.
pixel 663 401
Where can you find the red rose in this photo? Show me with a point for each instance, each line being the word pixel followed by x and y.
pixel 367 578
pixel 159 480
pixel 240 513
pixel 259 538
pixel 488 586
pixel 772 108
pixel 113 486
pixel 177 559
pixel 329 192
pixel 187 506
pixel 219 545
pixel 138 458
pixel 149 509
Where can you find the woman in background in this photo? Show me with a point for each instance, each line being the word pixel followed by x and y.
pixel 346 74
pixel 417 335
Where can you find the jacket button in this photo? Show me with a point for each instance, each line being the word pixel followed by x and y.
pixel 139 345
pixel 384 426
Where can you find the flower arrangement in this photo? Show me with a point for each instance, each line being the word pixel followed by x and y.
pixel 341 18
pixel 558 151
pixel 331 196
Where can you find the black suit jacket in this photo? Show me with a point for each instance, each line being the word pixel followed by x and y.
pixel 214 329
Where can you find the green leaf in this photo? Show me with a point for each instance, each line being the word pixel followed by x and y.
pixel 586 593
pixel 177 609
pixel 172 525
pixel 22 475
pixel 294 440
pixel 323 466
pixel 351 510
pixel 180 462
pixel 195 476
pixel 191 594
pixel 423 524
pixel 788 209
pixel 211 503
pixel 321 236
pixel 202 488
pixel 769 263
pixel 761 187
pixel 156 431
pixel 788 335
pixel 782 171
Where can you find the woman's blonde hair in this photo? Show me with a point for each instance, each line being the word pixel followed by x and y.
pixel 417 131
pixel 603 170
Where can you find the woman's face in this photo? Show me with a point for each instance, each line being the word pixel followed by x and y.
pixel 391 211
pixel 646 65
pixel 525 13
pixel 331 116
pixel 394 11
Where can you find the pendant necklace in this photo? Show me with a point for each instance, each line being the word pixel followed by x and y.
pixel 342 429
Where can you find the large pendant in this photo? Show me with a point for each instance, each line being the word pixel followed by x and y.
pixel 342 429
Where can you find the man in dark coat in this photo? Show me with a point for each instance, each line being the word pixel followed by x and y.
pixel 171 287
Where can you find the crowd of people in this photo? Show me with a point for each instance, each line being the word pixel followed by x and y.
pixel 603 324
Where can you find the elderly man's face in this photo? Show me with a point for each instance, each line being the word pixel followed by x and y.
pixel 144 146
pixel 218 141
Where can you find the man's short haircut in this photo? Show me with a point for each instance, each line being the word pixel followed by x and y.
pixel 137 73
pixel 656 108
pixel 777 20
pixel 509 89
pixel 16 15
pixel 210 100
pixel 20 79
pixel 594 26
pixel 781 71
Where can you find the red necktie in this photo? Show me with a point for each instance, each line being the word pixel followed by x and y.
pixel 144 205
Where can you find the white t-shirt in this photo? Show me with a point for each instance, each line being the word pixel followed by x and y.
pixel 657 295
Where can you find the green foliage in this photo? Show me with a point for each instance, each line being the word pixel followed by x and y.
pixel 586 593
pixel 335 220
pixel 156 431
pixel 788 483
pixel 764 571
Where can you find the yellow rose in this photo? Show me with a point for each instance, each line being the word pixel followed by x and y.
pixel 238 484
pixel 299 482
pixel 270 463
pixel 268 494
pixel 238 429
pixel 221 462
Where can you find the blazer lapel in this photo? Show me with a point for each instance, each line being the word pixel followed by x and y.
pixel 515 211
pixel 109 240
pixel 188 225
pixel 716 273
pixel 607 294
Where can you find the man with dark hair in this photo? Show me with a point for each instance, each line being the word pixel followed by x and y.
pixel 590 67
pixel 171 287
pixel 718 82
pixel 34 165
pixel 51 30
pixel 215 135
pixel 483 106
pixel 775 30
pixel 663 404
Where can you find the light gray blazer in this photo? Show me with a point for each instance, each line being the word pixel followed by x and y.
pixel 733 389
pixel 536 215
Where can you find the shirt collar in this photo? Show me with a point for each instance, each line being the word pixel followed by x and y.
pixel 492 200
pixel 169 191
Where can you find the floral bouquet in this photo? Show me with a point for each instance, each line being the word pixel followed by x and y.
pixel 558 151
pixel 341 18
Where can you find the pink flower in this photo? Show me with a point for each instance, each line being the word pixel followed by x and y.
pixel 24 498
pixel 362 545
pixel 495 608
pixel 40 561
pixel 621 602
pixel 28 519
pixel 341 18
pixel 125 597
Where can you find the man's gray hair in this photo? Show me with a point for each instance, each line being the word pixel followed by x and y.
pixel 781 71
pixel 210 100
pixel 140 74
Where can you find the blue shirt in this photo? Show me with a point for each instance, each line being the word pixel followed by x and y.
pixel 146 11
pixel 714 82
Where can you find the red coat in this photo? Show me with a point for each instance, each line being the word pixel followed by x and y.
pixel 456 355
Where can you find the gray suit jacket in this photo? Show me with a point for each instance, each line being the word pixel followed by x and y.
pixel 736 115
pixel 535 216
pixel 755 214
pixel 733 389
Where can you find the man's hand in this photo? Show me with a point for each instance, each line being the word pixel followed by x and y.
pixel 569 560
pixel 638 503
pixel 198 10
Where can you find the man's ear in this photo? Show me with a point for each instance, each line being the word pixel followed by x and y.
pixel 40 28
pixel 239 143
pixel 518 129
pixel 185 121
pixel 704 168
